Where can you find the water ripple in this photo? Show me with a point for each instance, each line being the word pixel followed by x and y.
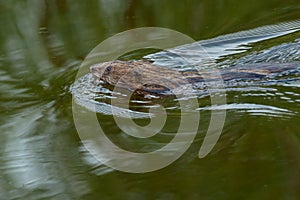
pixel 253 109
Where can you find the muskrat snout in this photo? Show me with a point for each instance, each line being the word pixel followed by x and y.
pixel 94 69
pixel 97 70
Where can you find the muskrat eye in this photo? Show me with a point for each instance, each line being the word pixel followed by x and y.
pixel 108 69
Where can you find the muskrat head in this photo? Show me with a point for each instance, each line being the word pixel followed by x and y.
pixel 110 72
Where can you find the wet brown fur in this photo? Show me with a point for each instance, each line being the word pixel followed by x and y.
pixel 144 77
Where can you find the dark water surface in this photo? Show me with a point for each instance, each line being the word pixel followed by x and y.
pixel 42 157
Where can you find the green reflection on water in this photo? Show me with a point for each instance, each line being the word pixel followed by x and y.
pixel 42 46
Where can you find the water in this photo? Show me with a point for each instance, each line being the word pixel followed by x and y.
pixel 42 156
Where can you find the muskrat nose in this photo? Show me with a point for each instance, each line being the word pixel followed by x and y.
pixel 97 70
pixel 93 69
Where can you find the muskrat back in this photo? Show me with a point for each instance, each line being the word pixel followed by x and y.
pixel 140 76
pixel 145 77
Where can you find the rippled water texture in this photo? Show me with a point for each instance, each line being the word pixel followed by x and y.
pixel 89 92
pixel 42 46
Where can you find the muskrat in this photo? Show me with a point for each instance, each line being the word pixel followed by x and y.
pixel 144 77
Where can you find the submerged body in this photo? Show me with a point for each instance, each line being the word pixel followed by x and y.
pixel 144 77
